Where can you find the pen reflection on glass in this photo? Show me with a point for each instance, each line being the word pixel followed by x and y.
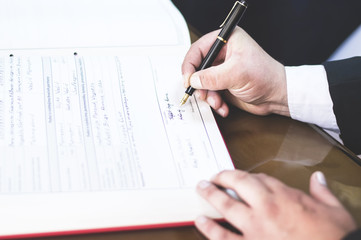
pixel 227 26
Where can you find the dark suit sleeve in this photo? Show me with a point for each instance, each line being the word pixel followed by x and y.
pixel 344 78
pixel 355 235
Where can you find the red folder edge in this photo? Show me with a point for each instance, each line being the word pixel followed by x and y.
pixel 98 230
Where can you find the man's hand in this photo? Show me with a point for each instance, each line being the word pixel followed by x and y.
pixel 272 210
pixel 252 80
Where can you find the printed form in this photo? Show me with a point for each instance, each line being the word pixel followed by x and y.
pixel 96 140
pixel 99 123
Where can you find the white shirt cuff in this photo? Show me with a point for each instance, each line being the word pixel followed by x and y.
pixel 309 97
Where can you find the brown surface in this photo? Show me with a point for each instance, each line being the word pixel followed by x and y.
pixel 291 151
pixel 280 147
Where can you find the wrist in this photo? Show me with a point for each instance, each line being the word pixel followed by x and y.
pixel 278 102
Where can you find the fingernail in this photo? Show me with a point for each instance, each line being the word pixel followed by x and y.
pixel 196 81
pixel 221 112
pixel 321 178
pixel 211 101
pixel 232 194
pixel 201 219
pixel 203 184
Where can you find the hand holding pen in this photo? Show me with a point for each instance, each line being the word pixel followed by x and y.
pixel 242 73
pixel 227 26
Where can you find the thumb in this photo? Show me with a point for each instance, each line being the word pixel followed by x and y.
pixel 213 78
pixel 320 191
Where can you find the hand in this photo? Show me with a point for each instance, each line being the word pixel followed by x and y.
pixel 252 79
pixel 272 210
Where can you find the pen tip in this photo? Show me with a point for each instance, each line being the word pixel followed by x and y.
pixel 184 99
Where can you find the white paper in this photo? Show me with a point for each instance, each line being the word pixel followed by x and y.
pixel 97 140
pixel 73 127
pixel 48 24
pixel 98 123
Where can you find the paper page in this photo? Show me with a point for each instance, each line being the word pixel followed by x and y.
pixel 80 133
pixel 98 123
pixel 97 141
pixel 43 26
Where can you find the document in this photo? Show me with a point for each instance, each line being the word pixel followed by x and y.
pixel 93 138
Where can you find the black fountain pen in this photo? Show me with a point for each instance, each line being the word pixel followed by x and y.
pixel 227 26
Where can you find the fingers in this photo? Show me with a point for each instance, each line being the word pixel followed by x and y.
pixel 233 210
pixel 192 60
pixel 213 230
pixel 319 190
pixel 195 55
pixel 215 78
pixel 215 100
pixel 249 187
pixel 223 110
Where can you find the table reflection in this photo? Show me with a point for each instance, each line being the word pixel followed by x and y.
pixel 291 151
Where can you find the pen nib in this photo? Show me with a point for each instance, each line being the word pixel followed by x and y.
pixel 184 99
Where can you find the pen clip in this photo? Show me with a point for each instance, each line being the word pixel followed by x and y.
pixel 230 12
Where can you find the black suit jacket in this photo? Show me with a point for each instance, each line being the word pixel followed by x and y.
pixel 355 235
pixel 294 32
pixel 344 78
